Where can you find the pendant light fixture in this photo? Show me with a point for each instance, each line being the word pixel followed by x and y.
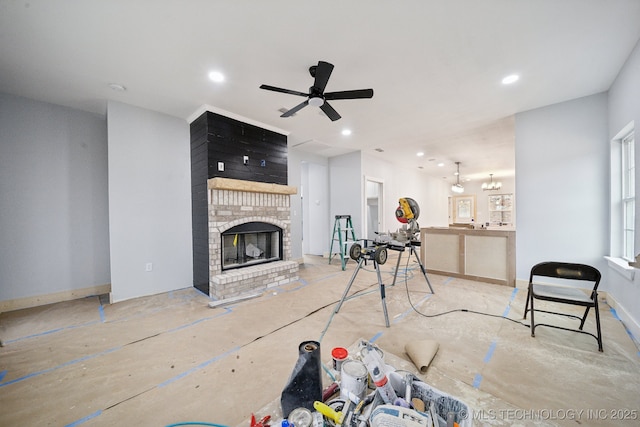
pixel 457 187
pixel 491 186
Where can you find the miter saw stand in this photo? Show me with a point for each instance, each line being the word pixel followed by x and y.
pixel 376 251
pixel 407 213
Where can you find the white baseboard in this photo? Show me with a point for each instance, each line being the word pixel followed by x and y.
pixel 28 302
pixel 632 325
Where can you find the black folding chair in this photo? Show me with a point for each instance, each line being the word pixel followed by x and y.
pixel 564 294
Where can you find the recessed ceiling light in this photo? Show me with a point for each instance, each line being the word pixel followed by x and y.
pixel 216 76
pixel 441 164
pixel 346 132
pixel 419 154
pixel 117 87
pixel 510 79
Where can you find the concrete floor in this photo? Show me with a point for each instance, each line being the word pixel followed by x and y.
pixel 170 358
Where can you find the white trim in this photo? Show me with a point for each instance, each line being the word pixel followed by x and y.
pixel 621 266
pixel 381 201
pixel 627 320
pixel 206 107
pixel 44 299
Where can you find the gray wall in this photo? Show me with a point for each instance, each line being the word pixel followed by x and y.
pixel 562 184
pixel 149 202
pixel 624 107
pixel 346 192
pixel 53 199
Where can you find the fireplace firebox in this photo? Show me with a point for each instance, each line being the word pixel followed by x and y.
pixel 251 243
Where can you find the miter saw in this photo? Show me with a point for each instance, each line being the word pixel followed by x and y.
pixel 408 212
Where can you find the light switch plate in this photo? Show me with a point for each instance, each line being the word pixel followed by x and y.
pixel 220 166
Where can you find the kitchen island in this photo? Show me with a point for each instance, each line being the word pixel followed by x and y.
pixel 486 255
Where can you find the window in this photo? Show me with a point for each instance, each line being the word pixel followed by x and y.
pixel 628 197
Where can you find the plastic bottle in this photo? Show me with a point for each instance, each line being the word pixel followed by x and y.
pixel 384 387
pixel 375 366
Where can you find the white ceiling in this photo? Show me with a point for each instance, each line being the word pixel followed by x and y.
pixel 435 65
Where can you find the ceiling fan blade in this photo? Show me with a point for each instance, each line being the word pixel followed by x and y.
pixel 350 94
pixel 323 72
pixel 295 109
pixel 330 112
pixel 278 89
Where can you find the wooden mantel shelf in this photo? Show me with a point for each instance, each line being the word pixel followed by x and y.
pixel 249 186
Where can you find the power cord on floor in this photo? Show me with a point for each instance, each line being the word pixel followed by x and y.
pixel 457 310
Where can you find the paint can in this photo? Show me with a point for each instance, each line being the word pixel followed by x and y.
pixel 301 417
pixel 353 380
pixel 339 355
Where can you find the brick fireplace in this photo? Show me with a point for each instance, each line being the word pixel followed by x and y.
pixel 233 203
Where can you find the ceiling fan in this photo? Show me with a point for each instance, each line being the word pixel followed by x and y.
pixel 316 96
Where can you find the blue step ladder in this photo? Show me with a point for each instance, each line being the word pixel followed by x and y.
pixel 344 235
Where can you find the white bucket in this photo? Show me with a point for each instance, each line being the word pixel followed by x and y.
pixel 353 380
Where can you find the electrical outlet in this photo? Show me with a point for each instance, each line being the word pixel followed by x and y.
pixel 245 159
pixel 220 166
pixel 263 163
pixel 148 266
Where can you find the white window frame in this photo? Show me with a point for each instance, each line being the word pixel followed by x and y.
pixel 617 259
pixel 627 198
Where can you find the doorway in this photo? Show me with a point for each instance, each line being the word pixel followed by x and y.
pixel 374 203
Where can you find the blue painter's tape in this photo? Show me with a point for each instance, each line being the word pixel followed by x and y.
pixel 52 331
pixel 85 419
pixel 101 311
pixel 71 362
pixel 190 324
pixel 614 313
pixel 197 368
pixel 2 374
pixel 447 280
pixel 477 380
pixel 506 311
pixel 489 354
pixel 406 313
pixel 375 337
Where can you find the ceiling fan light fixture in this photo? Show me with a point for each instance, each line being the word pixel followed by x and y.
pixel 316 101
pixel 316 95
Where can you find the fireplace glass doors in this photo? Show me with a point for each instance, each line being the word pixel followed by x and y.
pixel 250 244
